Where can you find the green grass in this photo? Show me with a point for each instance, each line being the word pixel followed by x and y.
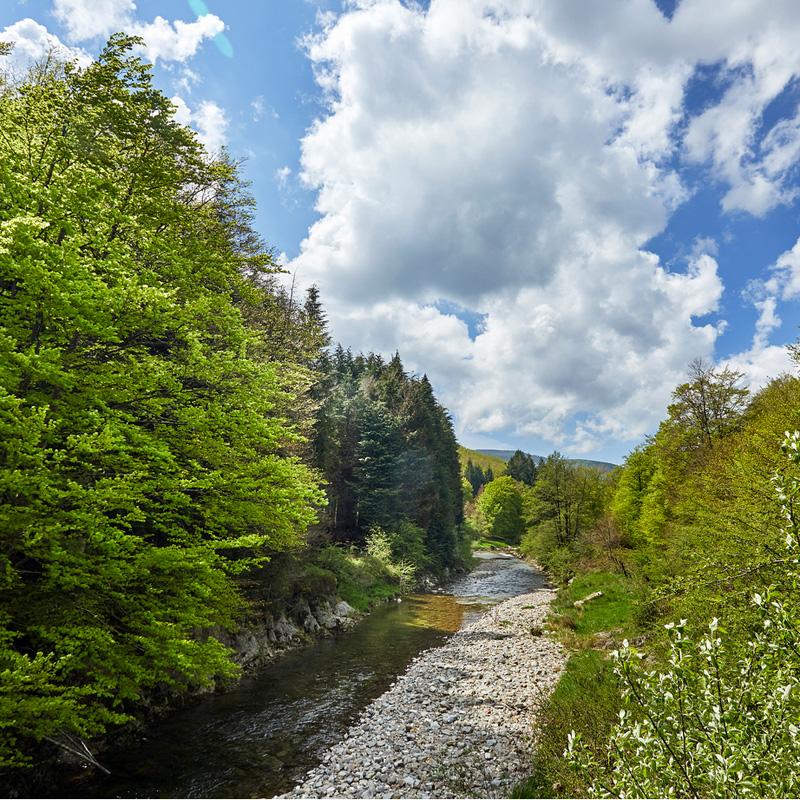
pixel 483 461
pixel 489 544
pixel 363 598
pixel 614 611
pixel 585 700
pixel 361 580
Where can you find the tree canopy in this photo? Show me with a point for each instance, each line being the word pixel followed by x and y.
pixel 147 420
pixel 522 467
pixel 500 510
pixel 388 453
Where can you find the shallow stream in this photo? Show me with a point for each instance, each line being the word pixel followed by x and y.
pixel 259 738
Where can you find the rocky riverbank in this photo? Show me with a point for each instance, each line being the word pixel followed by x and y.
pixel 460 722
pixel 269 634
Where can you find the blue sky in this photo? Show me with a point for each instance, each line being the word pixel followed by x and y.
pixel 266 63
pixel 549 208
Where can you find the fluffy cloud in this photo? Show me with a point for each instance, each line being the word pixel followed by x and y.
pixel 178 40
pixel 208 119
pixel 785 278
pixel 86 20
pixel 33 41
pixel 763 360
pixel 503 156
pixel 758 58
pixel 165 40
pixel 494 157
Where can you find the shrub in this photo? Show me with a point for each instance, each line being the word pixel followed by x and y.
pixel 379 547
pixel 717 721
pixel 558 561
pixel 408 545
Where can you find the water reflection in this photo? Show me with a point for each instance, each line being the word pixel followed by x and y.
pixel 263 735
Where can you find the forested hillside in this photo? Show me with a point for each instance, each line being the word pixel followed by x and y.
pixel 556 500
pixel 482 460
pixel 505 455
pixel 177 437
pixel 690 551
pixel 387 451
pixel 692 545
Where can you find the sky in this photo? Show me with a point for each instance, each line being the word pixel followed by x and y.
pixel 550 207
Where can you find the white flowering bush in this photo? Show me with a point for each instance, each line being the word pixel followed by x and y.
pixel 717 721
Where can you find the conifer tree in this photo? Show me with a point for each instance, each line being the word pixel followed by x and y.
pixel 521 467
pixel 474 474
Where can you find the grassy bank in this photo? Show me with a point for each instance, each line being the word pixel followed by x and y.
pixel 587 698
pixel 486 543
pixel 387 566
pixel 362 578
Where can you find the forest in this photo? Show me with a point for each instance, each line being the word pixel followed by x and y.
pixel 183 443
pixel 678 601
pixel 179 436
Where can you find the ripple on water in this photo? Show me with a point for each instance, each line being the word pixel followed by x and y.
pixel 260 737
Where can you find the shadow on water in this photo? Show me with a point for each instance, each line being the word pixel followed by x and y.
pixel 261 736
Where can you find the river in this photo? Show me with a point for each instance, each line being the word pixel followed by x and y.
pixel 259 738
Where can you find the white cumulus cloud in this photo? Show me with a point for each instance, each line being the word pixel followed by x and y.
pixel 32 42
pixel 763 360
pixel 756 49
pixel 87 19
pixel 207 118
pixel 177 40
pixel 503 157
pixel 164 39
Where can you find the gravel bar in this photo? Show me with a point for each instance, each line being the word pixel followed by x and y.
pixel 460 722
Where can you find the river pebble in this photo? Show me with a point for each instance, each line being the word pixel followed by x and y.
pixel 461 722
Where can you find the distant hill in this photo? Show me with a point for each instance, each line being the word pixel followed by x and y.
pixel 504 455
pixel 482 459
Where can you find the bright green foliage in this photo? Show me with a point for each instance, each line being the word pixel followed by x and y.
pixel 639 503
pixel 380 546
pixel 715 722
pixel 499 509
pixel 631 490
pixel 569 499
pixel 365 576
pixel 408 545
pixel 693 533
pixel 655 512
pixel 466 490
pixel 143 424
pixel 727 535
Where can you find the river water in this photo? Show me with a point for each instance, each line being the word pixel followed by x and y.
pixel 259 738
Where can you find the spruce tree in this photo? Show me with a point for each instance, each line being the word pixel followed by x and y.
pixel 521 467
